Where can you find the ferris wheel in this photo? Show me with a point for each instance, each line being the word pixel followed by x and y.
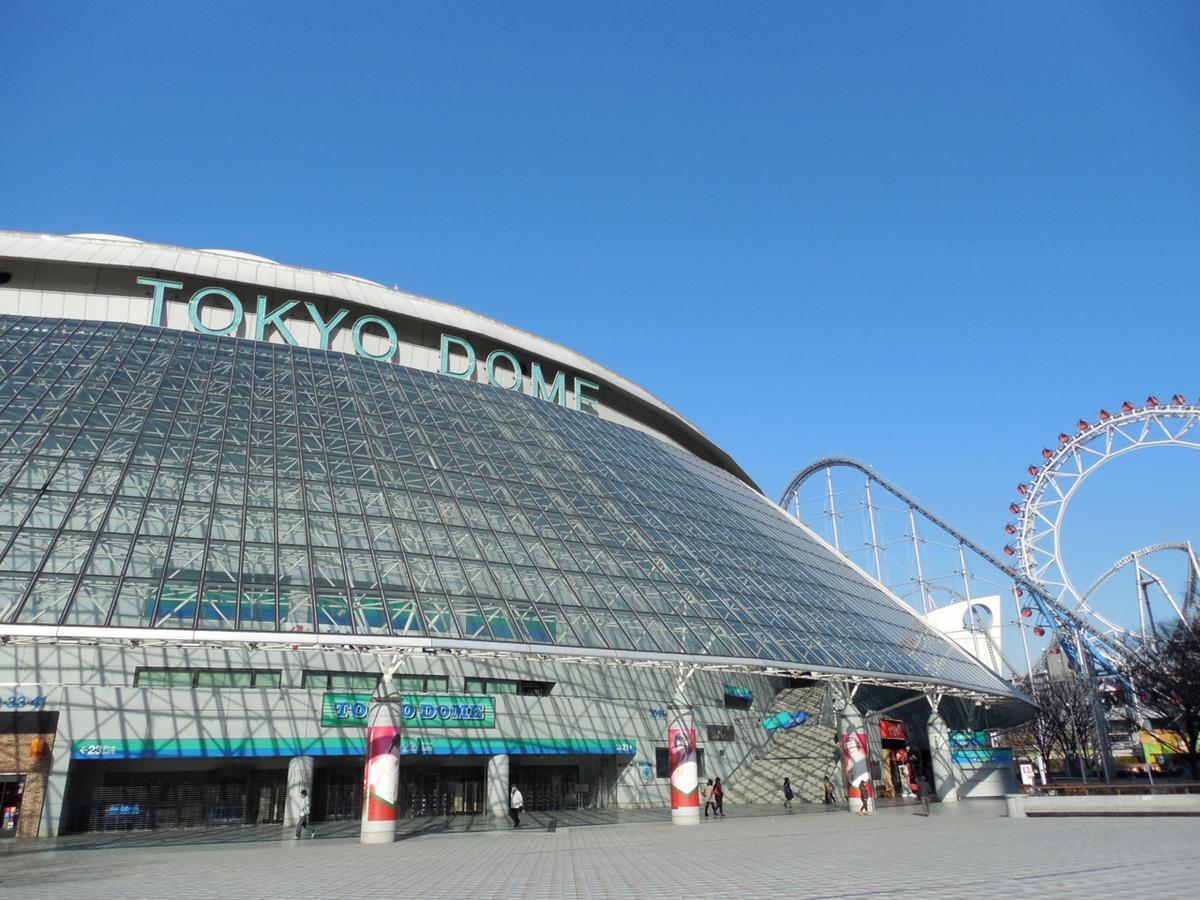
pixel 1037 532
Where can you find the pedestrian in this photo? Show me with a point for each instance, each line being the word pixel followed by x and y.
pixel 923 793
pixel 828 794
pixel 719 799
pixel 707 794
pixel 864 794
pixel 305 812
pixel 787 793
pixel 516 803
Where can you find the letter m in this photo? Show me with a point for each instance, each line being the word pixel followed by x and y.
pixel 557 392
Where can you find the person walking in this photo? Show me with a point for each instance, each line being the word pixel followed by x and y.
pixel 864 793
pixel 707 794
pixel 787 793
pixel 719 799
pixel 828 794
pixel 305 812
pixel 923 793
pixel 516 803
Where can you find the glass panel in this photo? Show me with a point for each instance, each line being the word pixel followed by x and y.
pixel 405 617
pixel 256 610
pixel 166 678
pixel 176 605
pixel 218 606
pixel 135 604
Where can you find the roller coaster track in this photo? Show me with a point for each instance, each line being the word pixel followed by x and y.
pixel 1106 651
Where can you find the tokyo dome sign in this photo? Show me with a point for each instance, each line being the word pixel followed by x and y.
pixel 458 358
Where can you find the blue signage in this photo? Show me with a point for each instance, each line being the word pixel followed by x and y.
pixel 22 701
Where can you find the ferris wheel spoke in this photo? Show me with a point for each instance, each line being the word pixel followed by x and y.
pixel 1040 517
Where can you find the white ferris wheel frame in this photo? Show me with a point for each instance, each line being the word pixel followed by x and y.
pixel 1038 543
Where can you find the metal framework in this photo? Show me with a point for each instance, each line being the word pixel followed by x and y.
pixel 1096 639
pixel 1037 544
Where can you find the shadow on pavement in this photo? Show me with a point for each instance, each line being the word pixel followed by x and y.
pixel 544 822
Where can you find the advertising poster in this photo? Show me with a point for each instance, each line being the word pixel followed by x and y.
pixel 383 773
pixel 685 768
pixel 854 757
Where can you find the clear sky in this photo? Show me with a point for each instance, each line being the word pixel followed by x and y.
pixel 926 235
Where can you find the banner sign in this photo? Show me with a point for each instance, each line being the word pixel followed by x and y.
pixel 738 693
pixel 854 759
pixel 968 739
pixel 685 768
pixel 345 744
pixel 340 710
pixel 891 730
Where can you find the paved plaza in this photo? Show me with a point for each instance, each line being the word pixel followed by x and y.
pixel 963 850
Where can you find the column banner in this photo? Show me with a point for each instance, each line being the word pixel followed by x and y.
pixel 381 778
pixel 685 768
pixel 854 758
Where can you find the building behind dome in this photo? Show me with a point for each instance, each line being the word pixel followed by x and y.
pixel 232 492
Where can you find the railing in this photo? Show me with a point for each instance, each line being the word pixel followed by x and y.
pixel 1078 789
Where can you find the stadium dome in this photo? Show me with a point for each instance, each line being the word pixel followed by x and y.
pixel 215 463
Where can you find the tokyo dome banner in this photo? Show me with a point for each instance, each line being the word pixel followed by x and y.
pixel 685 768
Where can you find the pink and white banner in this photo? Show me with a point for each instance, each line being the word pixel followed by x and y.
pixel 685 769
pixel 381 779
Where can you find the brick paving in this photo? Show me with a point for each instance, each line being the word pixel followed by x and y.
pixel 962 850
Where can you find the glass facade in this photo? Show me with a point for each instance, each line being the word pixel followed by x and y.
pixel 160 479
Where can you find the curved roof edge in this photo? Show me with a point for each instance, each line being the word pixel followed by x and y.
pixel 117 251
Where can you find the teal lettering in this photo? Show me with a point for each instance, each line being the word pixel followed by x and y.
pixel 512 361
pixel 558 387
pixel 447 340
pixel 356 332
pixel 194 310
pixel 325 327
pixel 263 318
pixel 160 288
pixel 580 397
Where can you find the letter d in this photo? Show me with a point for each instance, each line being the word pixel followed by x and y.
pixel 447 340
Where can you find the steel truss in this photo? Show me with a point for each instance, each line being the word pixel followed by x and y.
pixel 1098 641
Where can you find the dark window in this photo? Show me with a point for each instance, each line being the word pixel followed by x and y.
pixel 720 732
pixel 339 681
pixel 742 703
pixel 423 683
pixel 509 686
pixel 206 678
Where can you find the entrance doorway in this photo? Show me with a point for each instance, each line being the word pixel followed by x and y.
pixel 12 791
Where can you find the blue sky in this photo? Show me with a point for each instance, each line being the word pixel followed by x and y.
pixel 927 235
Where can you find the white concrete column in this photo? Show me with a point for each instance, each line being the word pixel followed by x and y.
pixel 855 750
pixel 496 790
pixel 945 779
pixel 382 777
pixel 299 778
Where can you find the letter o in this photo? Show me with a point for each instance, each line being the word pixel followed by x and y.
pixel 443 711
pixel 407 710
pixel 388 329
pixel 194 310
pixel 359 710
pixel 512 361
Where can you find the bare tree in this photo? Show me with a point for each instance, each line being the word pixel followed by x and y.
pixel 1063 726
pixel 1167 673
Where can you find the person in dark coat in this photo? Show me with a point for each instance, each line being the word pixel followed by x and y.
pixel 719 798
pixel 787 793
pixel 923 790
